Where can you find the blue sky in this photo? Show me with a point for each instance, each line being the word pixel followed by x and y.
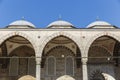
pixel 42 12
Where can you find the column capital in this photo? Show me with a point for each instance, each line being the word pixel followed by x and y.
pixel 84 61
pixel 38 60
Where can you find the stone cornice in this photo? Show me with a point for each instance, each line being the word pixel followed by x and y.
pixel 77 29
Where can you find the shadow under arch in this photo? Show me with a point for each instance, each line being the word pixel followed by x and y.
pixel 95 57
pixel 102 47
pixel 17 51
pixel 60 47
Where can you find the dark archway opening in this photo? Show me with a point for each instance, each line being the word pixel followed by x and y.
pixel 103 55
pixel 60 53
pixel 17 58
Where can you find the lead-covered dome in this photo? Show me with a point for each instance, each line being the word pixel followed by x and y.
pixel 100 24
pixel 21 24
pixel 60 24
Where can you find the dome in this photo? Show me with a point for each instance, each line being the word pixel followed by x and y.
pixel 27 77
pixel 65 77
pixel 21 24
pixel 60 24
pixel 100 24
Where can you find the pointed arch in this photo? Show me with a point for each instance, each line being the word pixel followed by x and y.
pixel 12 34
pixel 54 35
pixel 91 40
pixel 58 44
pixel 51 66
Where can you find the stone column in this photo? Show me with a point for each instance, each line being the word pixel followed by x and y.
pixel 38 68
pixel 84 69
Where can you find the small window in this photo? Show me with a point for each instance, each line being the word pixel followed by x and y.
pixel 31 66
pixel 69 66
pixel 23 66
pixel 51 66
pixel 13 66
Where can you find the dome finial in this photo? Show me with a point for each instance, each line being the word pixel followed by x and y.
pixel 23 18
pixel 60 17
pixel 97 18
